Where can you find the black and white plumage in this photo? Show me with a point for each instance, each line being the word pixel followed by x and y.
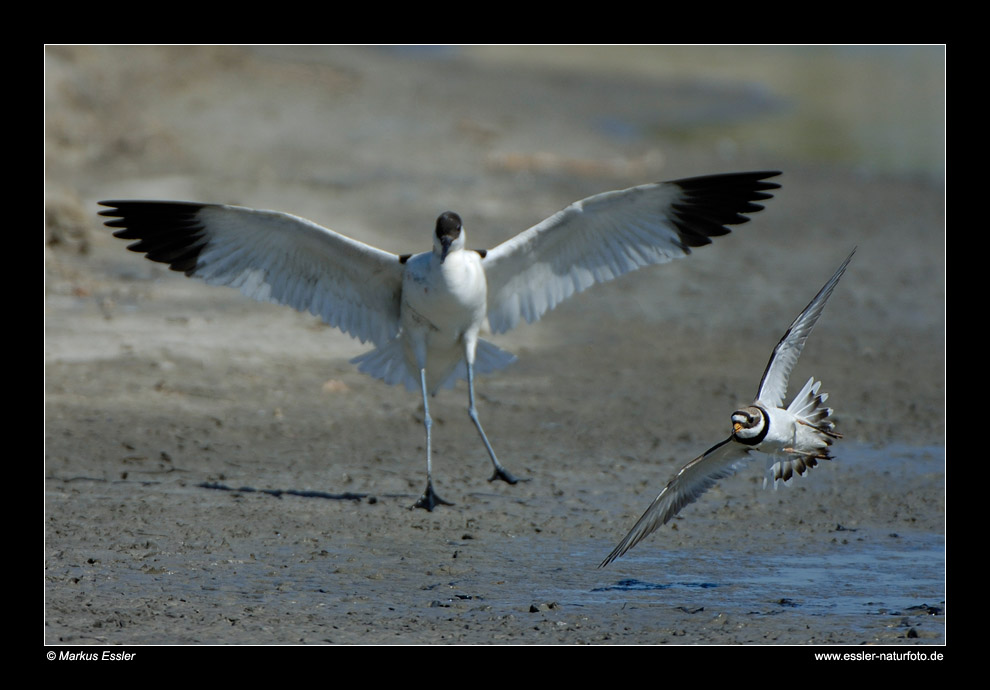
pixel 424 312
pixel 794 439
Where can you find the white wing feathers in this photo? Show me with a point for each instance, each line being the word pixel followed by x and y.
pixel 604 236
pixel 270 256
pixel 691 482
pixel 773 385
pixel 278 257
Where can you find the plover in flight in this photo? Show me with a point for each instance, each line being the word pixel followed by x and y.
pixel 423 312
pixel 794 439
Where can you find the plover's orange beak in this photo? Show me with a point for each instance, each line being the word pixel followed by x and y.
pixel 737 426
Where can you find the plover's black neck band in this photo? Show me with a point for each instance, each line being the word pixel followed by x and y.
pixel 758 439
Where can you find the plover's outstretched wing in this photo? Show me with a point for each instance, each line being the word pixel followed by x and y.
pixel 604 236
pixel 773 385
pixel 694 479
pixel 270 256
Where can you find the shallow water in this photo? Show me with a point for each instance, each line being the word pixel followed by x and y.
pixel 864 579
pixel 853 572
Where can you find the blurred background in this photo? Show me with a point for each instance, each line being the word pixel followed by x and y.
pixel 376 141
pixel 429 126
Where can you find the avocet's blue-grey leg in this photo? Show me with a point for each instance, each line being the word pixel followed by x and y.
pixel 500 471
pixel 429 500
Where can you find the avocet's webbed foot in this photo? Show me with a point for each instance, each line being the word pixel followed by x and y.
pixel 429 500
pixel 505 476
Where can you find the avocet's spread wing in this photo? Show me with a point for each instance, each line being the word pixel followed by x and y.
pixel 694 479
pixel 773 385
pixel 270 256
pixel 604 236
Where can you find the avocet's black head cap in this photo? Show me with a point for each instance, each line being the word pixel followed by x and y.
pixel 448 225
pixel 448 230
